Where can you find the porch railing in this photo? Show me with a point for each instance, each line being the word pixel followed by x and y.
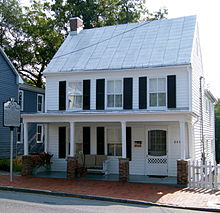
pixel 204 175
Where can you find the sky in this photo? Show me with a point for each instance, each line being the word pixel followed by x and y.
pixel 209 31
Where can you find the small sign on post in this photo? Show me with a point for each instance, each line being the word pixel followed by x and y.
pixel 11 119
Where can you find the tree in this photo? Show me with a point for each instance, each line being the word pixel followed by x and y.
pixel 32 35
pixel 217 130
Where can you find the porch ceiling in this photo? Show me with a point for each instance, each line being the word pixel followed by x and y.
pixel 127 116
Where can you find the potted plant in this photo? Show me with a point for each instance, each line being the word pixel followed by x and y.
pixel 80 171
pixel 41 160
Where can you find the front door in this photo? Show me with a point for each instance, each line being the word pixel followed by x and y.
pixel 156 153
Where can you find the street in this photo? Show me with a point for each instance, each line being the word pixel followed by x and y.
pixel 16 202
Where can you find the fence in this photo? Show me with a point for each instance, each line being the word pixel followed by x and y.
pixel 205 175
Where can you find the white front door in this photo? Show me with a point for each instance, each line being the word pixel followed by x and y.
pixel 156 153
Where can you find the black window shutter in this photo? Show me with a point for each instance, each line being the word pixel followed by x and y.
pixel 143 93
pixel 128 90
pixel 100 140
pixel 171 91
pixel 86 140
pixel 100 94
pixel 86 94
pixel 128 142
pixel 62 95
pixel 62 142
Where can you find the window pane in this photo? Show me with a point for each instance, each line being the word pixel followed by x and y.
pixel 118 149
pixel 153 99
pixel 70 102
pixel 110 87
pixel 118 86
pixel 161 85
pixel 118 100
pixel 157 142
pixel 77 102
pixel 110 101
pixel 161 99
pixel 111 149
pixel 153 85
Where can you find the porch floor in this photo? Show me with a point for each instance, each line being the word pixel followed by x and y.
pixel 114 177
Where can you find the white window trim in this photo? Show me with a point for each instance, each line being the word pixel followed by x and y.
pixel 22 99
pixel 67 97
pixel 106 94
pixel 148 93
pixel 21 134
pixel 42 133
pixel 42 102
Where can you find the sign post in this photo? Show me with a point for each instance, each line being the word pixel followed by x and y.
pixel 11 119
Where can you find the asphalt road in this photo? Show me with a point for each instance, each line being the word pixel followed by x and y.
pixel 17 202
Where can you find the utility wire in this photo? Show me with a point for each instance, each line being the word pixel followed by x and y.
pixel 145 23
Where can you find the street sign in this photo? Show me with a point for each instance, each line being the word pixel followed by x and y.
pixel 11 114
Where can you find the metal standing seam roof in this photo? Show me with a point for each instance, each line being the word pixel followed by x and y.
pixel 157 43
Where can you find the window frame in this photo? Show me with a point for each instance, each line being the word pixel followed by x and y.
pixel 119 142
pixel 67 97
pixel 42 133
pixel 106 93
pixel 148 92
pixel 22 99
pixel 42 104
pixel 21 134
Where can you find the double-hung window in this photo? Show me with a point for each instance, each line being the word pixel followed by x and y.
pixel 75 95
pixel 21 99
pixel 40 103
pixel 39 133
pixel 114 93
pixel 157 92
pixel 20 134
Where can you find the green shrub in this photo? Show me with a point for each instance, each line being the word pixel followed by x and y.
pixel 5 164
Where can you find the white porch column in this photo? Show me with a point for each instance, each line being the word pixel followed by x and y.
pixel 72 139
pixel 182 140
pixel 25 138
pixel 46 138
pixel 123 138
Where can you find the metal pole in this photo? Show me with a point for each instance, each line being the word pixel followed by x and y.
pixel 11 155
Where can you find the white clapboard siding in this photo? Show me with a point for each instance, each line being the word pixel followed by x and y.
pixel 182 84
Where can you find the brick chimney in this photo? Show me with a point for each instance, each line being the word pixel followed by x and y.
pixel 76 25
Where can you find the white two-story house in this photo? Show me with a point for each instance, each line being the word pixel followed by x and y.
pixel 128 91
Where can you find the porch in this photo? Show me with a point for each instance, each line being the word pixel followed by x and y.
pixel 114 177
pixel 171 132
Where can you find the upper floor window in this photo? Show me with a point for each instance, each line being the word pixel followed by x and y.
pixel 21 99
pixel 40 103
pixel 157 92
pixel 75 95
pixel 114 93
pixel 39 133
pixel 20 134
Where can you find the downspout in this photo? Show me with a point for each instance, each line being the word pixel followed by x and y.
pixel 201 120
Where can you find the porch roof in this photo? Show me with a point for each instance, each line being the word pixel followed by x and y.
pixel 109 116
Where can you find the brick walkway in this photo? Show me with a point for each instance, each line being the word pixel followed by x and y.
pixel 146 192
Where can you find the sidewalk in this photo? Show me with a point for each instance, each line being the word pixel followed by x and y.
pixel 159 194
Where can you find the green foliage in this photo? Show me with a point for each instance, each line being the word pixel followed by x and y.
pixel 5 164
pixel 217 130
pixel 32 35
pixel 41 159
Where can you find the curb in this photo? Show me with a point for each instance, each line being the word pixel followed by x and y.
pixel 102 198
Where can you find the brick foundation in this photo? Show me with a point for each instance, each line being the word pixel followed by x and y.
pixel 27 165
pixel 182 172
pixel 123 169
pixel 71 164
